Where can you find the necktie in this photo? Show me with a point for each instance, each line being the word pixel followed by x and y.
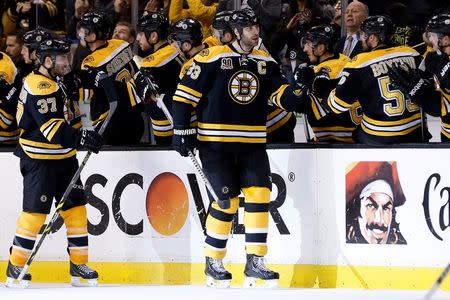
pixel 348 46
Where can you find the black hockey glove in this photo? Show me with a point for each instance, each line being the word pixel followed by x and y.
pixel 321 86
pixel 410 83
pixel 304 76
pixel 184 140
pixel 91 78
pixel 89 140
pixel 146 86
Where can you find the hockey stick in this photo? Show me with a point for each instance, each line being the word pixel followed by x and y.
pixel 224 204
pixel 438 282
pixel 112 98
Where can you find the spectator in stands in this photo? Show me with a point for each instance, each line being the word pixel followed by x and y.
pixel 15 13
pixel 195 9
pixel 373 192
pixel 355 14
pixel 80 7
pixel 14 46
pixel 118 10
pixel 124 31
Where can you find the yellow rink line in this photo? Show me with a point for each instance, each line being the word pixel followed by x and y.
pixel 304 276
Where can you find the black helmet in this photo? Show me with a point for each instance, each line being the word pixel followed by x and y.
pixel 379 25
pixel 187 30
pixel 439 24
pixel 52 47
pixel 98 22
pixel 243 18
pixel 154 22
pixel 322 34
pixel 33 38
pixel 222 20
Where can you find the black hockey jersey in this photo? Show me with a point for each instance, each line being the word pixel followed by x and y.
pixel 116 59
pixel 332 127
pixel 387 115
pixel 230 93
pixel 165 66
pixel 47 119
pixel 9 92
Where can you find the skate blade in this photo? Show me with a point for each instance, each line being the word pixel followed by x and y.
pixel 218 284
pixel 251 282
pixel 15 284
pixel 80 282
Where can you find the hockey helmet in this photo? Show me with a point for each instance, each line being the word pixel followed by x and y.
pixel 52 47
pixel 243 18
pixel 321 34
pixel 154 22
pixel 381 26
pixel 33 38
pixel 222 20
pixel 98 22
pixel 187 30
pixel 439 24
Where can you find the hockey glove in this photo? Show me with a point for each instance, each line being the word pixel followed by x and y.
pixel 410 83
pixel 89 140
pixel 184 140
pixel 304 76
pixel 438 64
pixel 146 86
pixel 322 85
pixel 91 78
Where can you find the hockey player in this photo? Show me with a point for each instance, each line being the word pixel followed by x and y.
pixel 164 65
pixel 9 93
pixel 318 44
pixel 388 116
pixel 436 68
pixel 229 87
pixel 221 30
pixel 115 58
pixel 31 41
pixel 50 135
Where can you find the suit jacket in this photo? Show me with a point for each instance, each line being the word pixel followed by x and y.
pixel 356 50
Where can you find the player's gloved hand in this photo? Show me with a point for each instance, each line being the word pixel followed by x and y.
pixel 146 86
pixel 439 65
pixel 91 77
pixel 410 83
pixel 304 75
pixel 184 140
pixel 321 86
pixel 89 140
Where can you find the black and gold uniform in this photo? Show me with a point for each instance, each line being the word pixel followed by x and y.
pixel 9 92
pixel 332 127
pixel 115 58
pixel 230 93
pixel 48 123
pixel 445 118
pixel 165 66
pixel 387 115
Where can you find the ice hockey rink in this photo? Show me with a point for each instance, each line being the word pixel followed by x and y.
pixel 38 291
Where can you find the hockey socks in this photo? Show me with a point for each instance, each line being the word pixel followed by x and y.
pixel 218 227
pixel 75 220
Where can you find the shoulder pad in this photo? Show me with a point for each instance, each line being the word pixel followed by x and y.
pixel 39 85
pixel 8 70
pixel 103 55
pixel 160 57
pixel 334 66
pixel 212 54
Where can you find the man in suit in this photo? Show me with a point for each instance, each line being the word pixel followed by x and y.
pixel 350 45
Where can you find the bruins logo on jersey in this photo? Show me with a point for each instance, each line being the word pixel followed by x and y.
pixel 43 85
pixel 243 87
pixel 204 52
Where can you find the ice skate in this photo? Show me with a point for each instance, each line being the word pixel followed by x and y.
pixel 12 273
pixel 258 275
pixel 82 275
pixel 216 275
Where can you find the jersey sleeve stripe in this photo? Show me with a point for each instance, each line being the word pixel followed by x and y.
pixel 180 99
pixel 337 105
pixel 189 91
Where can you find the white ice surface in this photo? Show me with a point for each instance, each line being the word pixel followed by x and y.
pixel 38 291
